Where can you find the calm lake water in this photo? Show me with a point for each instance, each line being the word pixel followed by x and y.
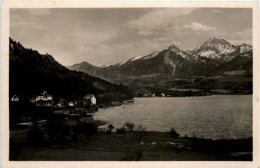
pixel 216 117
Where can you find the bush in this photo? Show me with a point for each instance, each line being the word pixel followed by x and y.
pixel 174 134
pixel 130 126
pixel 110 128
pixel 121 130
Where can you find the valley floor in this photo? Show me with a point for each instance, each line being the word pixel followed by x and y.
pixel 154 146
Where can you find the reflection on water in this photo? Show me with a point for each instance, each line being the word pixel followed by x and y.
pixel 222 116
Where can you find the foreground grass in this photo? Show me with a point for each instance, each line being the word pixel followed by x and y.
pixel 154 146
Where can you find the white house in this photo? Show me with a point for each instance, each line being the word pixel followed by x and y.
pixel 15 98
pixel 162 94
pixel 89 100
pixel 44 96
pixel 44 99
pixel 71 104
pixel 147 94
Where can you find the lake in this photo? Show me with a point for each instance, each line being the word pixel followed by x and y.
pixel 215 117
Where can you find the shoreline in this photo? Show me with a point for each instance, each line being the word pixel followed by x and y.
pixel 214 94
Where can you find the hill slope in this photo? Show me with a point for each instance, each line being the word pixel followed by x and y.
pixel 31 73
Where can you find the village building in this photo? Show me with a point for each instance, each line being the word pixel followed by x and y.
pixel 32 100
pixel 44 99
pixel 59 105
pixel 147 94
pixel 15 98
pixel 89 100
pixel 105 128
pixel 44 103
pixel 44 96
pixel 71 104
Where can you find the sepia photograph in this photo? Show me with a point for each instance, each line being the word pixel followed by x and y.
pixel 131 83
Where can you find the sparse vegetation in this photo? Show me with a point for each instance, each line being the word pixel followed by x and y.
pixel 130 126
pixel 115 147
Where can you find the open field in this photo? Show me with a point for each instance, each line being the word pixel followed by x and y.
pixel 150 146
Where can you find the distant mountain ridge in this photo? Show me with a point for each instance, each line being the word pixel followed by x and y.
pixel 158 69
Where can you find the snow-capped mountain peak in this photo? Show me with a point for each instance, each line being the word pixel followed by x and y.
pixel 219 43
pixel 219 39
pixel 215 47
pixel 174 48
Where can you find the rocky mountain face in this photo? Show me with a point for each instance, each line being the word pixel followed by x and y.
pixel 173 67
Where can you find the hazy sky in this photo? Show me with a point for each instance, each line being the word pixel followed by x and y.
pixel 105 36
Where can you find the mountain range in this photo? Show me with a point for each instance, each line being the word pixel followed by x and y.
pixel 216 64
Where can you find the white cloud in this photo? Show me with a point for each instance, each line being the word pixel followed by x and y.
pixel 157 19
pixel 198 27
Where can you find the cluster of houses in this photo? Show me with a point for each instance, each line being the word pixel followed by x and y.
pixel 85 115
pixel 109 127
pixel 149 94
pixel 175 93
pixel 46 100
